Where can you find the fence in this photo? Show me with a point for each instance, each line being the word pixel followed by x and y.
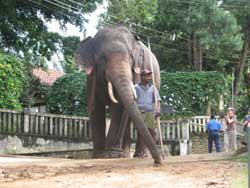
pixel 44 125
pixel 171 130
pixel 75 127
pixel 197 124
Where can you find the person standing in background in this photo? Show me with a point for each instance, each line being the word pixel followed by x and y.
pixel 246 123
pixel 230 131
pixel 213 127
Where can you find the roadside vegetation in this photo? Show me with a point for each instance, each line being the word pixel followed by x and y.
pixel 188 38
pixel 241 177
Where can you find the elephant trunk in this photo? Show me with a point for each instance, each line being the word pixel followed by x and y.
pixel 121 80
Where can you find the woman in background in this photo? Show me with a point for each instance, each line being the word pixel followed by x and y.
pixel 230 131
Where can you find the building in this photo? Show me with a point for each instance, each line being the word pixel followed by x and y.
pixel 45 79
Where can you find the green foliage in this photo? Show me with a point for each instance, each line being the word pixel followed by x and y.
pixel 23 29
pixel 69 47
pixel 189 92
pixel 241 10
pixel 136 11
pixel 11 81
pixel 216 30
pixel 68 95
pixel 240 180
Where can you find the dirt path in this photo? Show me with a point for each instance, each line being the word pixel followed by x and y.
pixel 176 172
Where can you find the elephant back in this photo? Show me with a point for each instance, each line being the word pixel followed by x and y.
pixel 142 56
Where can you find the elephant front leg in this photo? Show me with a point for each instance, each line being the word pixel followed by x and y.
pixel 116 113
pixel 98 127
pixel 115 133
pixel 123 137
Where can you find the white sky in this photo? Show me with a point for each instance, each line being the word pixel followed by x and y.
pixel 73 30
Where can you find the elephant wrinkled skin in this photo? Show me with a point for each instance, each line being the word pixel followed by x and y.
pixel 114 55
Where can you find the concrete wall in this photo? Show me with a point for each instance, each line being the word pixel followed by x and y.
pixel 29 144
pixel 200 143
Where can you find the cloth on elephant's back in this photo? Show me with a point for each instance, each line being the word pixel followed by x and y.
pixel 149 119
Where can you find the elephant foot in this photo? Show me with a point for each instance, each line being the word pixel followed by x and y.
pixel 115 153
pixel 158 161
pixel 98 154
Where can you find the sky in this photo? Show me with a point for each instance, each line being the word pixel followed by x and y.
pixel 71 30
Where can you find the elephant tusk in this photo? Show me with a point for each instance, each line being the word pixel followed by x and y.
pixel 133 89
pixel 111 94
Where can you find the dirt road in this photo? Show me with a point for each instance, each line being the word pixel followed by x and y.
pixel 176 172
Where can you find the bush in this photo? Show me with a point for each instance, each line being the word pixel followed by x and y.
pixel 189 92
pixel 68 95
pixel 11 81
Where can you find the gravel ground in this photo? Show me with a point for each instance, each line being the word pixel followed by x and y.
pixel 178 172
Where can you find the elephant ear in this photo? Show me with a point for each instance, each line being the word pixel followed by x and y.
pixel 84 55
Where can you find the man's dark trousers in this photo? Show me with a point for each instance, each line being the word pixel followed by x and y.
pixel 213 137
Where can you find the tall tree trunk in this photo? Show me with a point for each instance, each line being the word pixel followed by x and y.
pixel 197 54
pixel 240 67
pixel 190 51
pixel 247 82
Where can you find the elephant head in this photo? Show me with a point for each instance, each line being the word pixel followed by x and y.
pixel 109 54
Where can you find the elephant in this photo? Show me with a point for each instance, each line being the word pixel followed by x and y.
pixel 112 60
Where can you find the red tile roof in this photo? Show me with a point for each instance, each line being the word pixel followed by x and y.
pixel 47 77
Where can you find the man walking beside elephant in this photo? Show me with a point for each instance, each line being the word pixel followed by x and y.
pixel 145 100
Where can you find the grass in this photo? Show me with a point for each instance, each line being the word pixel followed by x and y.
pixel 241 178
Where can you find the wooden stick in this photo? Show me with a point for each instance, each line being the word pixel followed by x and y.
pixel 155 99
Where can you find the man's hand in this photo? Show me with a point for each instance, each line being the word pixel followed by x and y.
pixel 157 114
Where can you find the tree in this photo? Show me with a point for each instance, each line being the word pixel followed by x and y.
pixel 23 29
pixel 131 11
pixel 69 46
pixel 24 33
pixel 12 79
pixel 202 28
pixel 135 14
pixel 241 10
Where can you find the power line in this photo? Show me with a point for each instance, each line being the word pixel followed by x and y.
pixel 218 5
pixel 41 6
pixel 206 51
pixel 143 27
pixel 115 23
pixel 175 50
pixel 61 6
pixel 66 5
pixel 153 36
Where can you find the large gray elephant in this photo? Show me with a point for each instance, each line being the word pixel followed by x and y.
pixel 113 60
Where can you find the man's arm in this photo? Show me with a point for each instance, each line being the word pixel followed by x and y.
pixel 232 120
pixel 158 102
pixel 158 110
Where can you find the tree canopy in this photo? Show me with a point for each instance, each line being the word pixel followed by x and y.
pixel 185 35
pixel 209 35
pixel 12 77
pixel 23 29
